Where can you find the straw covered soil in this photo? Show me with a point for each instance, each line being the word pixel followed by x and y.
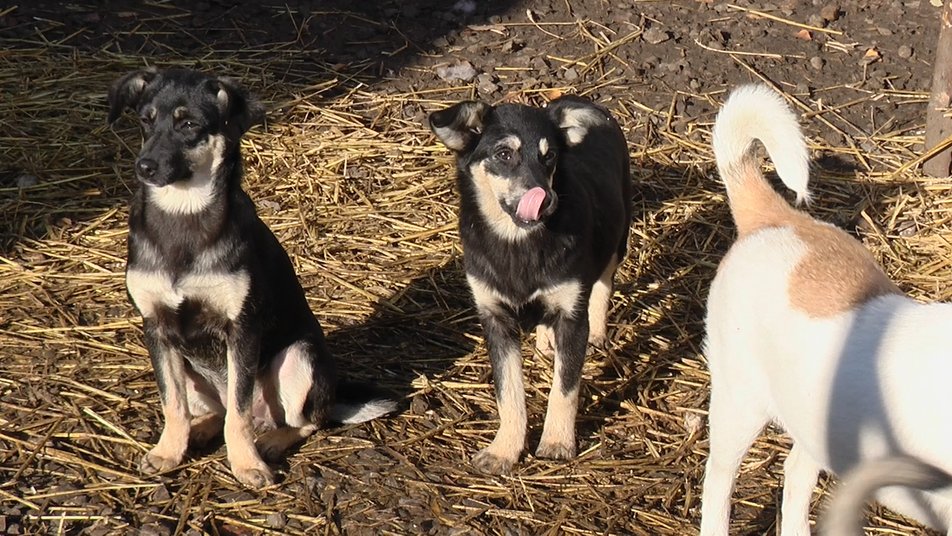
pixel 362 196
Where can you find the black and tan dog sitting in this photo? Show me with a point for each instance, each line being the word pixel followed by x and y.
pixel 544 215
pixel 229 331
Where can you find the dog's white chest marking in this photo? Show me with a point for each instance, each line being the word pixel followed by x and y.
pixel 222 292
pixel 562 297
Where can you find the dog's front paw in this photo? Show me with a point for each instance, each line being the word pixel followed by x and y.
pixel 489 462
pixel 156 462
pixel 255 477
pixel 556 451
pixel 596 343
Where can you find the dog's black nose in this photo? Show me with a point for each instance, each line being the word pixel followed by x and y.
pixel 146 167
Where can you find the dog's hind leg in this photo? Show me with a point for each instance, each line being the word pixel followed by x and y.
pixel 800 472
pixel 734 423
pixel 204 403
pixel 545 340
pixel 302 390
pixel 169 367
pixel 598 305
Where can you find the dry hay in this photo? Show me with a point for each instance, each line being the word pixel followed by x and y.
pixel 361 195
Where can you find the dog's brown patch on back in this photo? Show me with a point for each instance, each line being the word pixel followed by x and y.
pixel 754 203
pixel 836 274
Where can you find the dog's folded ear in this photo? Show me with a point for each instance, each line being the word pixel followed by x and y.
pixel 239 109
pixel 126 91
pixel 576 116
pixel 459 125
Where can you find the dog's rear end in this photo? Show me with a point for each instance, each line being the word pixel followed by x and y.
pixel 804 329
pixel 777 307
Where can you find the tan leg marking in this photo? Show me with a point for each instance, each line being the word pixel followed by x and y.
pixel 275 443
pixel 246 463
pixel 558 432
pixel 598 305
pixel 504 451
pixel 205 428
pixel 170 449
pixel 545 340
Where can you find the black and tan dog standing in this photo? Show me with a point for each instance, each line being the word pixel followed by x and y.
pixel 229 331
pixel 545 207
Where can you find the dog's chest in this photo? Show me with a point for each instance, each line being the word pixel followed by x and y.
pixel 218 293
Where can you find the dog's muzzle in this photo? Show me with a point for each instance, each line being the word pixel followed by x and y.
pixel 150 171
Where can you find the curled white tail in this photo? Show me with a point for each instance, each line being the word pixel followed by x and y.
pixel 757 112
pixel 357 412
pixel 844 517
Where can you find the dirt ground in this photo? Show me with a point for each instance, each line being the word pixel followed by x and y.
pixel 361 195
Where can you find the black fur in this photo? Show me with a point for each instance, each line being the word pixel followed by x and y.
pixel 583 224
pixel 182 111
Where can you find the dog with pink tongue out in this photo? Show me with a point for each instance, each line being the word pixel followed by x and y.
pixel 545 208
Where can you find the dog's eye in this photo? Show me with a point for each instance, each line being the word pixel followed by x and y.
pixel 549 158
pixel 146 120
pixel 503 154
pixel 189 125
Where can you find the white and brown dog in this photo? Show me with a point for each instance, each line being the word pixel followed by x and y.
pixel 805 330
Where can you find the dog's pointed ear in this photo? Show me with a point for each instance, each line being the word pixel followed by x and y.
pixel 576 116
pixel 126 91
pixel 459 125
pixel 239 109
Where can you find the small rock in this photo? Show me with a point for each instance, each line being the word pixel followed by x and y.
pixel 904 52
pixel 486 84
pixel 418 405
pixel 817 62
pixel 694 84
pixel 26 181
pixel 541 64
pixel 465 7
pixel 830 12
pixel 459 71
pixel 907 228
pixel 276 520
pixel 273 206
pixel 816 21
pixel 570 74
pixel 155 529
pixel 655 35
pixel 161 493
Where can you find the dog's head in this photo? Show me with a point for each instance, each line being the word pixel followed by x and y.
pixel 509 153
pixel 190 121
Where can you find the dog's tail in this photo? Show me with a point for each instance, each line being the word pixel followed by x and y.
pixel 845 514
pixel 358 403
pixel 755 112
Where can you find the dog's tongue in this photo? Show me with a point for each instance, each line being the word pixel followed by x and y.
pixel 530 204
